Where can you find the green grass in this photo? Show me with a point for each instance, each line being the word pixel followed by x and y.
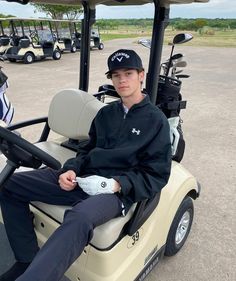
pixel 106 37
pixel 217 38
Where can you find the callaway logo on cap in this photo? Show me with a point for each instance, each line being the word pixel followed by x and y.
pixel 124 59
pixel 119 56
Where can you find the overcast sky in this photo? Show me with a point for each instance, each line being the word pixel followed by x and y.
pixel 213 9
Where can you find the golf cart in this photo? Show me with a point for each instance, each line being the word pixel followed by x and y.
pixel 96 39
pixel 126 248
pixel 64 31
pixel 32 44
pixel 4 39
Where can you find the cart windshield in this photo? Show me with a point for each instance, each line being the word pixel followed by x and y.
pixel 45 35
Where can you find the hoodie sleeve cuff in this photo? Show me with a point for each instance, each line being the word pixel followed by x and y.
pixel 124 183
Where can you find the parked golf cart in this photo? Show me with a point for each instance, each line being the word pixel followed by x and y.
pixel 96 39
pixel 4 39
pixel 64 31
pixel 126 248
pixel 29 45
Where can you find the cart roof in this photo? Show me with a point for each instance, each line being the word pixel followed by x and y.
pixel 38 19
pixel 117 2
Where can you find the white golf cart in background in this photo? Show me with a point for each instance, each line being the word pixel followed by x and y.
pixel 4 38
pixel 95 38
pixel 126 248
pixel 31 43
pixel 64 32
pixel 96 41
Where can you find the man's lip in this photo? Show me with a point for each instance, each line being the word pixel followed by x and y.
pixel 122 87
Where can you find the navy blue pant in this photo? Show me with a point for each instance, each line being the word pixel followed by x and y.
pixel 68 241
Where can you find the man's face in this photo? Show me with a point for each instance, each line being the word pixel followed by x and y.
pixel 127 82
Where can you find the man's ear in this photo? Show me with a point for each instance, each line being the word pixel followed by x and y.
pixel 141 76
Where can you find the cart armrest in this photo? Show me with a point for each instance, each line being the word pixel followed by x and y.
pixel 141 213
pixel 27 123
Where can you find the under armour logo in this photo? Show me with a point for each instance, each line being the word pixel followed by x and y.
pixel 120 59
pixel 137 132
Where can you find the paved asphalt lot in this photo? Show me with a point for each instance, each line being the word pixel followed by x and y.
pixel 210 133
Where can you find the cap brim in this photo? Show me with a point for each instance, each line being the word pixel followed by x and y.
pixel 116 68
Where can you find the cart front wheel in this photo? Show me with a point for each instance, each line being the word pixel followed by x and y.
pixel 101 46
pixel 56 54
pixel 180 227
pixel 73 49
pixel 28 58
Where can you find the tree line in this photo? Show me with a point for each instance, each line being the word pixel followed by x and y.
pixel 195 24
pixel 75 12
pixel 60 12
pixel 175 23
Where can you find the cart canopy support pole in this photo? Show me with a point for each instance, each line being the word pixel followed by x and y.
pixel 161 20
pixel 2 30
pixel 87 22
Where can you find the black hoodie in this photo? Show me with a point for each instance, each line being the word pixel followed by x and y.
pixel 132 148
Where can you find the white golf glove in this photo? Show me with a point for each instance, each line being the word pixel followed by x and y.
pixel 93 185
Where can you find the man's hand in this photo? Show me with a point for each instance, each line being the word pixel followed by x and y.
pixel 117 187
pixel 93 185
pixel 67 180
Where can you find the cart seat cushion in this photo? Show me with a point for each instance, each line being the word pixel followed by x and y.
pixel 111 230
pixel 71 113
pixel 56 150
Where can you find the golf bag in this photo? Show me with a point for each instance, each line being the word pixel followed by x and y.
pixel 6 108
pixel 169 100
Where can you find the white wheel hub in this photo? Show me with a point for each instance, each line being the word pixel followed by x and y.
pixel 182 228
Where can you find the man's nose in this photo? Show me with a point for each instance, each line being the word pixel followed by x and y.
pixel 122 78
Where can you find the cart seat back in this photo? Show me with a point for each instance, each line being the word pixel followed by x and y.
pixel 47 47
pixel 4 40
pixel 24 43
pixel 71 113
pixel 67 42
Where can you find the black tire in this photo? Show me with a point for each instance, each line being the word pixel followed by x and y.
pixel 56 54
pixel 180 227
pixel 73 49
pixel 101 46
pixel 28 58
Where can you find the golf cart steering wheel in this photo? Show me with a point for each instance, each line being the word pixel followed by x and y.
pixel 106 90
pixel 20 152
pixel 33 35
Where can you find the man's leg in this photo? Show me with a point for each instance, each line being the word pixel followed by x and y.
pixel 20 189
pixel 68 241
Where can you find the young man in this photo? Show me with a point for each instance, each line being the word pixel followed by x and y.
pixel 127 159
